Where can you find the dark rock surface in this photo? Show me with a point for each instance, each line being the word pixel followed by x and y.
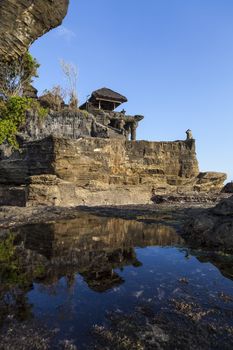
pixel 213 228
pixel 23 21
pixel 194 198
pixel 228 188
pixel 11 217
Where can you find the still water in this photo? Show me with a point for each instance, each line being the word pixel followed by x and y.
pixel 103 283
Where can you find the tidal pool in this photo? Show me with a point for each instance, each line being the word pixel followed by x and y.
pixel 104 283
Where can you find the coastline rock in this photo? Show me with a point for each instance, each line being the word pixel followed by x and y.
pixel 228 188
pixel 98 171
pixel 188 198
pixel 213 228
pixel 225 207
pixel 24 21
pixel 209 181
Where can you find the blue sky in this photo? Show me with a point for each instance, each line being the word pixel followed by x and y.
pixel 173 59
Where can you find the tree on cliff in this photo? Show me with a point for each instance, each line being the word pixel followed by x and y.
pixel 15 78
pixel 71 74
pixel 17 75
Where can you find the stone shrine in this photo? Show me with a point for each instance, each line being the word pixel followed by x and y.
pixel 102 105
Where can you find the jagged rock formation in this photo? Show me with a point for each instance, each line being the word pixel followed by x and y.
pixel 23 21
pixel 213 228
pixel 96 171
pixel 228 188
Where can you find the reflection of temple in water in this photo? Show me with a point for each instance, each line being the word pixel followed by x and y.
pixel 93 247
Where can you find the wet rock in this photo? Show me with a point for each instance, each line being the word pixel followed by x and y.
pixel 225 207
pixel 213 228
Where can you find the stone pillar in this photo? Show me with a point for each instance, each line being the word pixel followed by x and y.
pixel 134 126
pixel 189 135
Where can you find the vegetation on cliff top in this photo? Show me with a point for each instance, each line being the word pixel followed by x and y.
pixel 15 77
pixel 13 116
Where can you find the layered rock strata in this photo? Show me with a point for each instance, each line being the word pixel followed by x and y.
pixel 23 21
pixel 96 171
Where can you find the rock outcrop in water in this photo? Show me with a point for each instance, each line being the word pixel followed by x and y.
pixel 23 21
pixel 213 228
pixel 97 171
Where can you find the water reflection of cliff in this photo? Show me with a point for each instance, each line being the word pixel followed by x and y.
pixel 94 247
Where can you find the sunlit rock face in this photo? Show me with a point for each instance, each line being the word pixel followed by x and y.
pixel 96 171
pixel 23 21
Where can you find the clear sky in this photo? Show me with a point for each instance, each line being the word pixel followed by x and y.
pixel 172 59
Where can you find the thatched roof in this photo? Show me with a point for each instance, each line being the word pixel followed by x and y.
pixel 108 94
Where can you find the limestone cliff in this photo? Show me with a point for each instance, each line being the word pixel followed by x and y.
pixel 23 21
pixel 97 171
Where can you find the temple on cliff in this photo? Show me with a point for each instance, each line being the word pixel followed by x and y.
pixel 102 105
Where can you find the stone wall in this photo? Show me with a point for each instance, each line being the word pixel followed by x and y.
pixel 97 171
pixel 67 123
pixel 119 162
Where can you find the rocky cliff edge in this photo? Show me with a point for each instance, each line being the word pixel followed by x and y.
pixel 23 21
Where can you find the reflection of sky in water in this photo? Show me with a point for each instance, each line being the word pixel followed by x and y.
pixel 75 309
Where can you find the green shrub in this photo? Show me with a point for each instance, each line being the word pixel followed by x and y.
pixel 13 116
pixel 17 74
pixel 7 249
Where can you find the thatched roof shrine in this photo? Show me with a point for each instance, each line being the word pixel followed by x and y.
pixel 105 99
pixel 102 104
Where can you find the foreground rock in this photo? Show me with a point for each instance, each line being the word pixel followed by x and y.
pixel 213 228
pixel 228 188
pixel 23 21
pixel 187 198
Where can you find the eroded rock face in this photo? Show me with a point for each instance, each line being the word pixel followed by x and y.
pixel 23 21
pixel 96 171
pixel 67 123
pixel 210 180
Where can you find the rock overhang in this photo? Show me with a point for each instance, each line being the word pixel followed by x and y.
pixel 24 21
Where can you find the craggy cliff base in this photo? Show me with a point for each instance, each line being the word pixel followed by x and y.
pixel 212 228
pixel 96 171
